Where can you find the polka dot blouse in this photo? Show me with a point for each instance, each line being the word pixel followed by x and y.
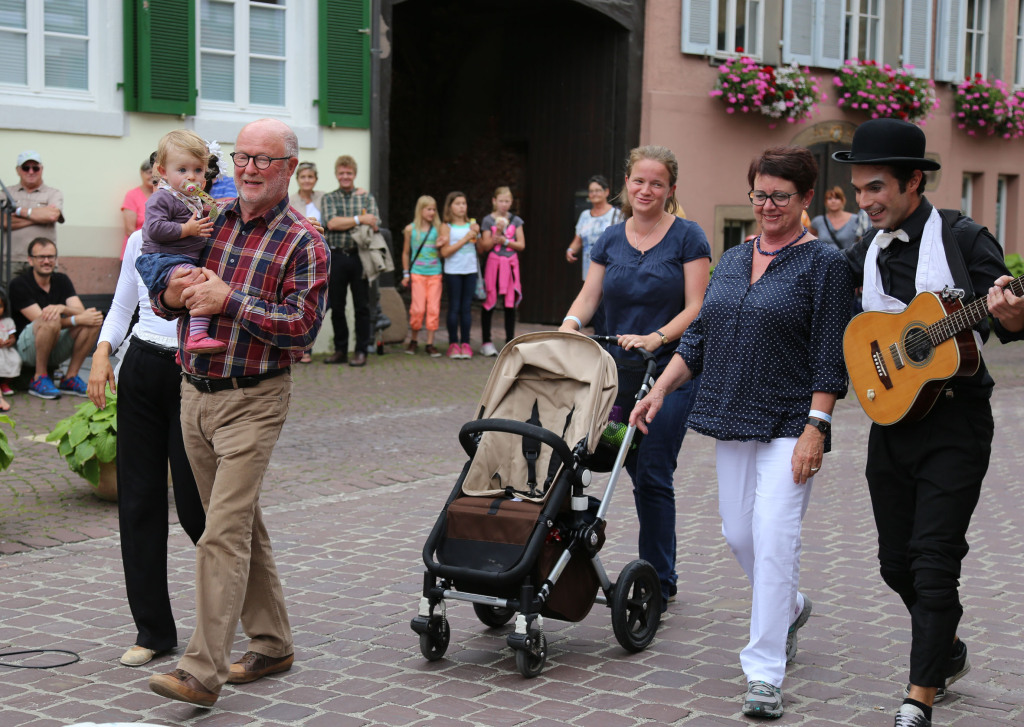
pixel 765 348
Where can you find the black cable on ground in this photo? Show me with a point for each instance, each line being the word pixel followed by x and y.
pixel 25 652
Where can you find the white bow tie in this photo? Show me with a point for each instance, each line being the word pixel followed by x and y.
pixel 884 239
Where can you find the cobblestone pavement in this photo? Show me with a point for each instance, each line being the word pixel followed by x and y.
pixel 357 479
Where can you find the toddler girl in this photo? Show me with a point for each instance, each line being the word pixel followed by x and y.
pixel 10 361
pixel 423 272
pixel 504 239
pixel 175 231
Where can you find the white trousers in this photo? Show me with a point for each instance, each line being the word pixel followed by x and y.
pixel 761 513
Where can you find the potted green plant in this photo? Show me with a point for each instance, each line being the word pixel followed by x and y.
pixel 6 453
pixel 88 441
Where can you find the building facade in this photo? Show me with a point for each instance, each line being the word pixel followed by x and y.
pixel 92 85
pixel 686 42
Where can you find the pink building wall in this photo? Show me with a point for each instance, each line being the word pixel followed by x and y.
pixel 715 148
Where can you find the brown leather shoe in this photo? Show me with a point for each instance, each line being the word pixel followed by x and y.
pixel 338 357
pixel 184 687
pixel 358 359
pixel 255 666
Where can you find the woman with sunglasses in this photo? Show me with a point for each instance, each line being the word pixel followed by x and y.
pixel 768 347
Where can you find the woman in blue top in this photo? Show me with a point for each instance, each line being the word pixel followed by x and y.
pixel 649 273
pixel 769 343
pixel 589 228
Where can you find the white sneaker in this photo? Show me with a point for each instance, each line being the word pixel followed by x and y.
pixel 488 349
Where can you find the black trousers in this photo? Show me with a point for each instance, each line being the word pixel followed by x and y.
pixel 925 479
pixel 347 271
pixel 485 324
pixel 148 436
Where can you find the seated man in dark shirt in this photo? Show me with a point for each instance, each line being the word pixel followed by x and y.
pixel 52 322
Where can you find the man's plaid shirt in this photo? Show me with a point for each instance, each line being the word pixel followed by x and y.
pixel 277 267
pixel 346 204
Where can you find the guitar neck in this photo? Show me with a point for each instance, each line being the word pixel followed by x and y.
pixel 967 316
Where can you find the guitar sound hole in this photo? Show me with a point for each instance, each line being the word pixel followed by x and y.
pixel 917 345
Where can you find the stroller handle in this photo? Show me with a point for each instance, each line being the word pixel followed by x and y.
pixel 512 426
pixel 649 360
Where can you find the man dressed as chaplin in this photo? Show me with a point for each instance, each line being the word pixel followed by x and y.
pixel 925 475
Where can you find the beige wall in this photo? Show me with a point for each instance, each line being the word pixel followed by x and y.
pixel 715 148
pixel 94 172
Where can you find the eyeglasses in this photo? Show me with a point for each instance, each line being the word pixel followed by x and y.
pixel 43 257
pixel 26 167
pixel 781 199
pixel 262 161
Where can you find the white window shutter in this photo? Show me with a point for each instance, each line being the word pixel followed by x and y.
pixel 831 32
pixel 949 51
pixel 700 18
pixel 917 37
pixel 798 34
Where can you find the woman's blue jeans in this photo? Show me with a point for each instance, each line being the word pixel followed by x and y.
pixel 460 306
pixel 652 468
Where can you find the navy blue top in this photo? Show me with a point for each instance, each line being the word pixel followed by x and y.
pixel 765 348
pixel 643 292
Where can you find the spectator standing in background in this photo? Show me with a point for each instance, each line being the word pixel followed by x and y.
pixel 133 208
pixel 38 208
pixel 589 227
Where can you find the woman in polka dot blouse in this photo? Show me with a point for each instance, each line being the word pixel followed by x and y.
pixel 768 343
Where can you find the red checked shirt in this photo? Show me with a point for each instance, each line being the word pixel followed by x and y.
pixel 277 267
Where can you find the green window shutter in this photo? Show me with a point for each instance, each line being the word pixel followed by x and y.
pixel 160 56
pixel 344 63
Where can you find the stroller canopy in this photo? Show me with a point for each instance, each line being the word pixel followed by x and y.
pixel 563 382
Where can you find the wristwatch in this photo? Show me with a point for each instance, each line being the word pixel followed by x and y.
pixel 820 424
pixel 664 338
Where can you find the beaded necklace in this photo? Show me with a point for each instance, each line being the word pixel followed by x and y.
pixel 770 253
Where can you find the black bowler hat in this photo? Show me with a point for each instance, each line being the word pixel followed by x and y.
pixel 888 142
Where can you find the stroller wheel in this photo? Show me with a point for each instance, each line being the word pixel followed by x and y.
pixel 530 661
pixel 434 642
pixel 636 606
pixel 493 616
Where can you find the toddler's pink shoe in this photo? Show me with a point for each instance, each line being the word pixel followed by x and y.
pixel 467 352
pixel 201 343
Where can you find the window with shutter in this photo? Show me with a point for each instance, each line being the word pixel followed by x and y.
pixel 45 46
pixel 1019 74
pixel 698 34
pixel 159 56
pixel 917 37
pixel 864 29
pixel 950 41
pixel 831 50
pixel 976 38
pixel 722 27
pixel 344 63
pixel 814 33
pixel 242 53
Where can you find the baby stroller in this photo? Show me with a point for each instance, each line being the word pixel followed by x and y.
pixel 518 534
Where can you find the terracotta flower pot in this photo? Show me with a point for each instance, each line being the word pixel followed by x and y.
pixel 107 489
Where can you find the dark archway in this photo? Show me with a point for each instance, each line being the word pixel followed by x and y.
pixel 535 94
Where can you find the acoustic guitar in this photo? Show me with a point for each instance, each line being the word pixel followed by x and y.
pixel 899 362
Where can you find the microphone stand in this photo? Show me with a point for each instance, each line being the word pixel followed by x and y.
pixel 7 207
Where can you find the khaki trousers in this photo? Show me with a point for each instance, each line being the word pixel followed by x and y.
pixel 229 436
